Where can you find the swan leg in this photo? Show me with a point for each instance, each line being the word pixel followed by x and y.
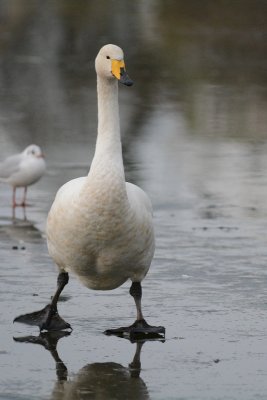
pixel 48 318
pixel 140 328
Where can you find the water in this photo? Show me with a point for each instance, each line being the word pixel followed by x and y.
pixel 194 137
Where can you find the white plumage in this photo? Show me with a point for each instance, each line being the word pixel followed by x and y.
pixel 99 226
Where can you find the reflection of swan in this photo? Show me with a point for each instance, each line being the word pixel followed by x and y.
pixel 96 380
pixel 49 342
pixel 102 381
pixel 100 227
pixel 22 170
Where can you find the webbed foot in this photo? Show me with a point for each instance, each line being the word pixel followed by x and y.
pixel 139 330
pixel 46 319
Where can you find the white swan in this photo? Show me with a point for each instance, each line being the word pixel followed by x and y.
pixel 22 170
pixel 99 226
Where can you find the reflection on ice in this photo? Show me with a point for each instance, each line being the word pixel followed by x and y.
pixel 95 380
pixel 102 380
pixel 49 342
pixel 18 229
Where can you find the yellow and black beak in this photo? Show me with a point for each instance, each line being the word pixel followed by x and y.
pixel 118 70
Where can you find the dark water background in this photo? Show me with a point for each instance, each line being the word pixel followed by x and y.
pixel 195 138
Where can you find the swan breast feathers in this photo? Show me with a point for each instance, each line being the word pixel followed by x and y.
pixel 103 245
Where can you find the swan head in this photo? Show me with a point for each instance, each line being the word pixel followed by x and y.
pixel 33 151
pixel 110 64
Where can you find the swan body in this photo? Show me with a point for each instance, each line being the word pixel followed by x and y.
pixel 104 238
pixel 23 169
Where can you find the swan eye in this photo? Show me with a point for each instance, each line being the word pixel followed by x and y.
pixel 108 57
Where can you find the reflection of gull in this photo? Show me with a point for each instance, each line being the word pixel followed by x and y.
pixel 107 380
pixel 22 170
pixel 100 227
pixel 21 230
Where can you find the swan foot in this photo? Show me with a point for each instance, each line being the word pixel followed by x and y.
pixel 139 330
pixel 46 319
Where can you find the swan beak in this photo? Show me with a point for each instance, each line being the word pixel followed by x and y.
pixel 118 70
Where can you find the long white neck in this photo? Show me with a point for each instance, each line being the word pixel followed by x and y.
pixel 108 145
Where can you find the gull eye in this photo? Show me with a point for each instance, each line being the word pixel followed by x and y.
pixel 33 151
pixel 108 57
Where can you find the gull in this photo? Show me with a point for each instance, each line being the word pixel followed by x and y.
pixel 23 170
pixel 100 227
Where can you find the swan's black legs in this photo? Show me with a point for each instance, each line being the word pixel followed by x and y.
pixel 48 318
pixel 136 292
pixel 140 328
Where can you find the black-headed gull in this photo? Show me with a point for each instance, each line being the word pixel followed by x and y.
pixel 22 170
pixel 100 227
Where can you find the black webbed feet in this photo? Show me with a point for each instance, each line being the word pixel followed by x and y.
pixel 46 319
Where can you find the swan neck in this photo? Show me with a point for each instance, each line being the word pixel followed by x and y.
pixel 108 109
pixel 108 151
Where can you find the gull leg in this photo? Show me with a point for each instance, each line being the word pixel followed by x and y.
pixel 23 204
pixel 48 318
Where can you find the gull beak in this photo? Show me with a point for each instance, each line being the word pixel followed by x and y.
pixel 119 71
